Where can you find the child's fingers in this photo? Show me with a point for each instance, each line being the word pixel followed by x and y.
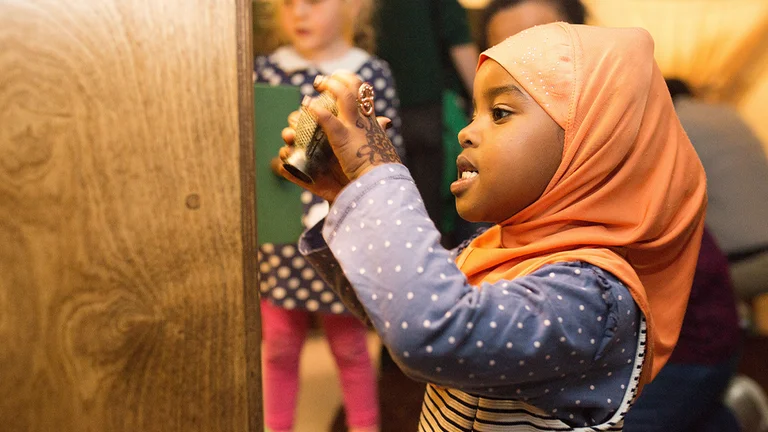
pixel 349 79
pixel 284 152
pixel 288 134
pixel 344 87
pixel 293 179
pixel 352 81
pixel 293 119
pixel 346 99
pixel 335 130
pixel 384 122
pixel 275 164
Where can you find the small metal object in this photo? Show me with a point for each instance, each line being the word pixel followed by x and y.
pixel 365 99
pixel 311 148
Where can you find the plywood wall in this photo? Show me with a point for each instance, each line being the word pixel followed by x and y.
pixel 127 288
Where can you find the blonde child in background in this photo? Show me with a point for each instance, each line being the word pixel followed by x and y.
pixel 322 36
pixel 555 317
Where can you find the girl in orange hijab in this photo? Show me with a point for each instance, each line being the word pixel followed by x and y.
pixel 556 316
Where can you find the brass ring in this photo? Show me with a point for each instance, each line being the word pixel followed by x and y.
pixel 365 99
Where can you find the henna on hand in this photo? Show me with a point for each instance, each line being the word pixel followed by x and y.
pixel 378 149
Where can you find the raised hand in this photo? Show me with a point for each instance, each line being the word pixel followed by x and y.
pixel 356 136
pixel 327 184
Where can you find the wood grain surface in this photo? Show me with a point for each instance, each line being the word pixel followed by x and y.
pixel 128 299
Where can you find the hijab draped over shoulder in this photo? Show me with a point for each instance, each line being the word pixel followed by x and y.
pixel 629 195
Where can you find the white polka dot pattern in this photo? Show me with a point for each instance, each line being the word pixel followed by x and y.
pixel 283 272
pixel 544 326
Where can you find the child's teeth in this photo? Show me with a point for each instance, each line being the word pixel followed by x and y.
pixel 468 174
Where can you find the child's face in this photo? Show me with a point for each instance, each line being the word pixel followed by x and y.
pixel 512 148
pixel 313 25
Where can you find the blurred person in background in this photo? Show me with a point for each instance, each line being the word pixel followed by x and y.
pixel 737 185
pixel 430 49
pixel 503 18
pixel 687 395
pixel 320 37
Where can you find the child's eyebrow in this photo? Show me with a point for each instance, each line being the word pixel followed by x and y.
pixel 493 92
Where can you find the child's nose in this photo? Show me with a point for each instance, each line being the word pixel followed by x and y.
pixel 300 8
pixel 466 137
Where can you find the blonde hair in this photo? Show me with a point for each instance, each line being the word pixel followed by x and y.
pixel 360 33
pixel 364 33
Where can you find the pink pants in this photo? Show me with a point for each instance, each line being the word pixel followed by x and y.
pixel 283 334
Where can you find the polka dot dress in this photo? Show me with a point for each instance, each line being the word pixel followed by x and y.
pixel 286 279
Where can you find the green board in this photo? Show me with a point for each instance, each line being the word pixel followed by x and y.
pixel 278 201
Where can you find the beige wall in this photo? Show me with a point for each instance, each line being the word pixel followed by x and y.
pixel 754 108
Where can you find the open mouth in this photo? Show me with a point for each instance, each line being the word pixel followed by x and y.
pixel 465 168
pixel 467 174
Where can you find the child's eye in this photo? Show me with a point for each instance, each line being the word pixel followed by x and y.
pixel 500 113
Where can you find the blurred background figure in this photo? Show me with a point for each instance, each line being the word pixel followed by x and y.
pixel 429 46
pixel 737 185
pixel 319 37
pixel 501 19
pixel 688 393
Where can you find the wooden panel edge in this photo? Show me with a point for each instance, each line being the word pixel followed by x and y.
pixel 252 318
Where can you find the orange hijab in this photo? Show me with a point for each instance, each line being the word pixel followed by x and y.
pixel 629 195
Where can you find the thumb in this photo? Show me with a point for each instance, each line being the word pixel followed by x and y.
pixel 345 141
pixel 333 127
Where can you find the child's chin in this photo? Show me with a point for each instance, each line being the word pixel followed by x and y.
pixel 469 214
